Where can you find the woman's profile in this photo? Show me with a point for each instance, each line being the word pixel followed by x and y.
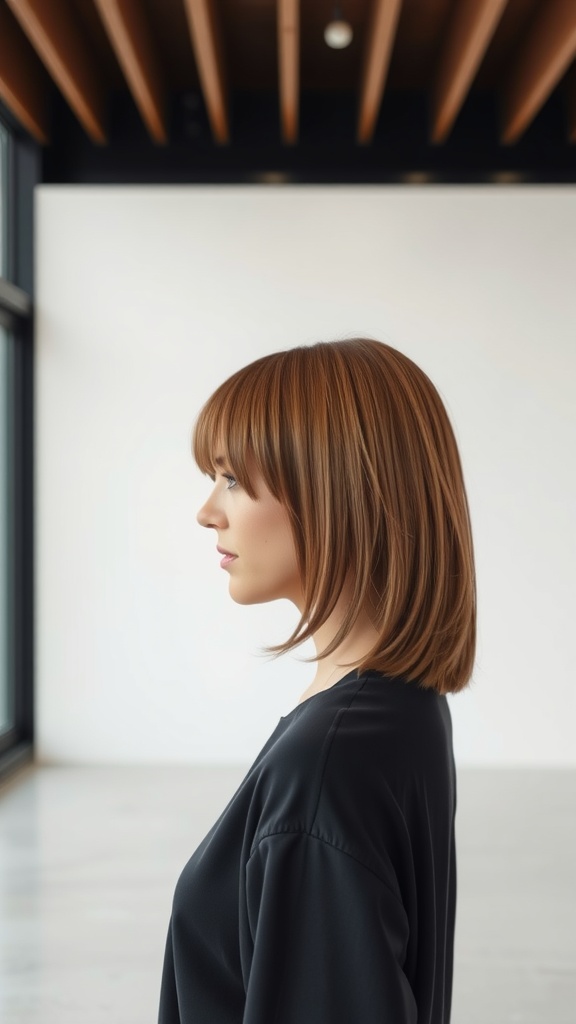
pixel 325 893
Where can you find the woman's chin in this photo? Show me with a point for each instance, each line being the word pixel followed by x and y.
pixel 245 594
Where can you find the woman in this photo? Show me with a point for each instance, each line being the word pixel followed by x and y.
pixel 325 893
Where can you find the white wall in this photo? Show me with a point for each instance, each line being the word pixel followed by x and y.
pixel 147 298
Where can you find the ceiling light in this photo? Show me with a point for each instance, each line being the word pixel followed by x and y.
pixel 338 33
pixel 271 177
pixel 416 177
pixel 507 177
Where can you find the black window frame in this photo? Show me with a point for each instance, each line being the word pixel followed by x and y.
pixel 24 172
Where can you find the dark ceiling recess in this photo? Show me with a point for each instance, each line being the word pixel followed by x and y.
pixel 250 91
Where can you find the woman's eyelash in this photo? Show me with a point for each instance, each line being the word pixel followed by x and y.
pixel 227 476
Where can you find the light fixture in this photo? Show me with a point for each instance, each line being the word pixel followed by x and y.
pixel 506 177
pixel 271 177
pixel 338 33
pixel 416 177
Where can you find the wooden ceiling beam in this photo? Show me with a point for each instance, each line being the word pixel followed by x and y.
pixel 209 53
pixel 131 39
pixel 57 37
pixel 545 55
pixel 24 84
pixel 379 43
pixel 466 40
pixel 288 65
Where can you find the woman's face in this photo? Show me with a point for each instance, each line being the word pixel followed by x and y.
pixel 258 533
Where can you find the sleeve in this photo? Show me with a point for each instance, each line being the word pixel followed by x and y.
pixel 328 938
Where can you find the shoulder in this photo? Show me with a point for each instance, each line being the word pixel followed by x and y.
pixel 378 726
pixel 394 728
pixel 353 767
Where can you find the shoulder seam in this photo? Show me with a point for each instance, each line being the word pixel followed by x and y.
pixel 321 839
pixel 333 731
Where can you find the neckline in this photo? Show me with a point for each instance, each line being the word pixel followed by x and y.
pixel 352 674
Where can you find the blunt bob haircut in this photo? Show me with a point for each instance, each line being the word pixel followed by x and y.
pixel 353 439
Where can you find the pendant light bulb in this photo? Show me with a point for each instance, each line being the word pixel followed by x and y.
pixel 338 33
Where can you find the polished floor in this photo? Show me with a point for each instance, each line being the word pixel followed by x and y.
pixel 89 858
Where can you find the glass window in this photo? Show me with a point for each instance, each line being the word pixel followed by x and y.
pixel 20 172
pixel 6 687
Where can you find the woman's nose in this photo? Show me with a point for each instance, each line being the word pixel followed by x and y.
pixel 210 515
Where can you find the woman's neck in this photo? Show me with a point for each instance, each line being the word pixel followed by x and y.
pixel 350 653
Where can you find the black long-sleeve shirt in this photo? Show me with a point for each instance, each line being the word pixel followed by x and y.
pixel 325 893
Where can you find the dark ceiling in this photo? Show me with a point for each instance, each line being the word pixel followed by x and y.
pixel 249 90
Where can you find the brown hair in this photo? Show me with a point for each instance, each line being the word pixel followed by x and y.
pixel 353 438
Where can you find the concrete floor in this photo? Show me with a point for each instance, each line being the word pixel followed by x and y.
pixel 89 858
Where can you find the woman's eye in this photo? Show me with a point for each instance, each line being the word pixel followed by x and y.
pixel 227 476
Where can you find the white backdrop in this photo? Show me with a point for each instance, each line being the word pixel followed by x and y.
pixel 147 298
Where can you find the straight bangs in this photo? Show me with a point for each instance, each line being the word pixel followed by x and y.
pixel 354 439
pixel 240 421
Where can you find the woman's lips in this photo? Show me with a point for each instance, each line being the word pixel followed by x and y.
pixel 227 559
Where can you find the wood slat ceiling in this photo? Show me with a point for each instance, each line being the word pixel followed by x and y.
pixel 521 51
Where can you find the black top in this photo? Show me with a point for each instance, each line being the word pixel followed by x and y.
pixel 325 893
